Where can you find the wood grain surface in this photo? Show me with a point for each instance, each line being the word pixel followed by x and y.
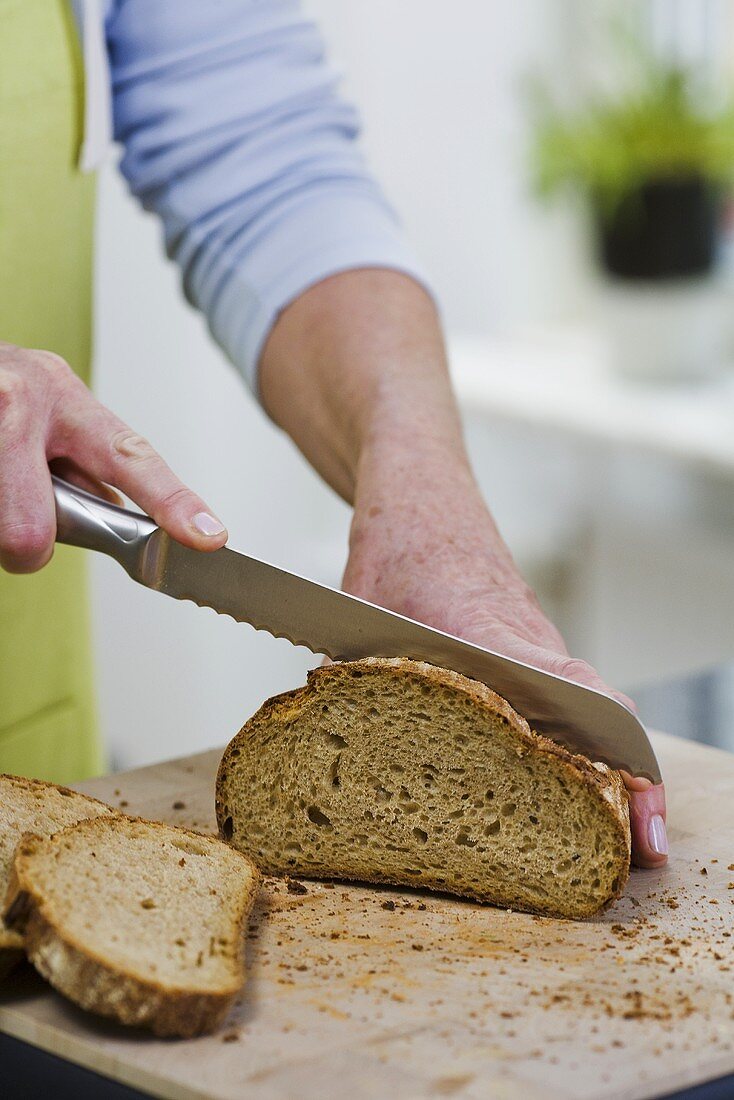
pixel 367 992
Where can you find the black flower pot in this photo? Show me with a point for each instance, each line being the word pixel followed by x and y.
pixel 664 230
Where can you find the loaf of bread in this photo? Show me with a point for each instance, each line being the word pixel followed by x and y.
pixel 135 920
pixel 398 772
pixel 32 806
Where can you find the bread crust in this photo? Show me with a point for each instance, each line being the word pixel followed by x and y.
pixel 599 779
pixel 29 784
pixel 11 942
pixel 93 982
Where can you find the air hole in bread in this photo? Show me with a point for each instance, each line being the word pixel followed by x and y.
pixel 334 771
pixel 463 838
pixel 337 740
pixel 190 846
pixel 318 817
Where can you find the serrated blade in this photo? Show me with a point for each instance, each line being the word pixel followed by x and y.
pixel 346 628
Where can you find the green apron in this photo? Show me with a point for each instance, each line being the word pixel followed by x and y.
pixel 47 712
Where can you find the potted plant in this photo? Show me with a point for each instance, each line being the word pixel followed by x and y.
pixel 654 161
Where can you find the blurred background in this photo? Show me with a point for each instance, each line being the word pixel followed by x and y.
pixel 563 168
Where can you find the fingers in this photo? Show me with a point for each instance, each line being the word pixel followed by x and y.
pixel 48 416
pixel 27 514
pixel 647 822
pixel 560 664
pixel 70 472
pixel 113 453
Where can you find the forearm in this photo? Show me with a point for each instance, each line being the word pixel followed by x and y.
pixel 345 364
pixel 355 371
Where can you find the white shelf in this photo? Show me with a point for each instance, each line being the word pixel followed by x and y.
pixel 559 381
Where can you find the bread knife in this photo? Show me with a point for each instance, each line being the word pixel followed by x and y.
pixel 346 628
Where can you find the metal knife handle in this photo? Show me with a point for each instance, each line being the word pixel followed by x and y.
pixel 84 520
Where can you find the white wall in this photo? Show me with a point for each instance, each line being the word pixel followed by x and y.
pixel 441 90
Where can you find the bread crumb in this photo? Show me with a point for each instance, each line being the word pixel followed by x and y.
pixel 294 887
pixel 231 1037
pixel 178 805
pixel 388 905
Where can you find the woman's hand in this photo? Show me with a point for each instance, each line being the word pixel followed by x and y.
pixel 442 578
pixel 47 415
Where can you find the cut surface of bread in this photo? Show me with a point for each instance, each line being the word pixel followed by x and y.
pixel 399 772
pixel 33 806
pixel 136 920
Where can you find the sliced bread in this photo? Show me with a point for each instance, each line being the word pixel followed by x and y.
pixel 399 772
pixel 136 920
pixel 32 806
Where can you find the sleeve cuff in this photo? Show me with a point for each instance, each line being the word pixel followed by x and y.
pixel 310 241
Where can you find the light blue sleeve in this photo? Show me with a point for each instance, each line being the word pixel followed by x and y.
pixel 234 134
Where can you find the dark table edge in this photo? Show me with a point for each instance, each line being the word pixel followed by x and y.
pixel 26 1070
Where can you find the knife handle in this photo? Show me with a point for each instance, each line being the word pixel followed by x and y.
pixel 84 520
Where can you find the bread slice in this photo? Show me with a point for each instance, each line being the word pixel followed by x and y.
pixel 32 806
pixel 399 772
pixel 136 920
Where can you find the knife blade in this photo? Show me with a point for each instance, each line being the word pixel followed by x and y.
pixel 344 627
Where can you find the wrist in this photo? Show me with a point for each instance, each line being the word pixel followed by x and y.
pixel 420 521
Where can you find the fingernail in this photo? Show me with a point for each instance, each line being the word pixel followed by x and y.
pixel 206 524
pixel 657 835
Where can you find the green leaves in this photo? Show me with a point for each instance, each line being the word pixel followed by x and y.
pixel 660 127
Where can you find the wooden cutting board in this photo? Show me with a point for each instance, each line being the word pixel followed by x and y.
pixel 362 993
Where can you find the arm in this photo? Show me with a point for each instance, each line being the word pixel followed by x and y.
pixel 355 372
pixel 235 137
